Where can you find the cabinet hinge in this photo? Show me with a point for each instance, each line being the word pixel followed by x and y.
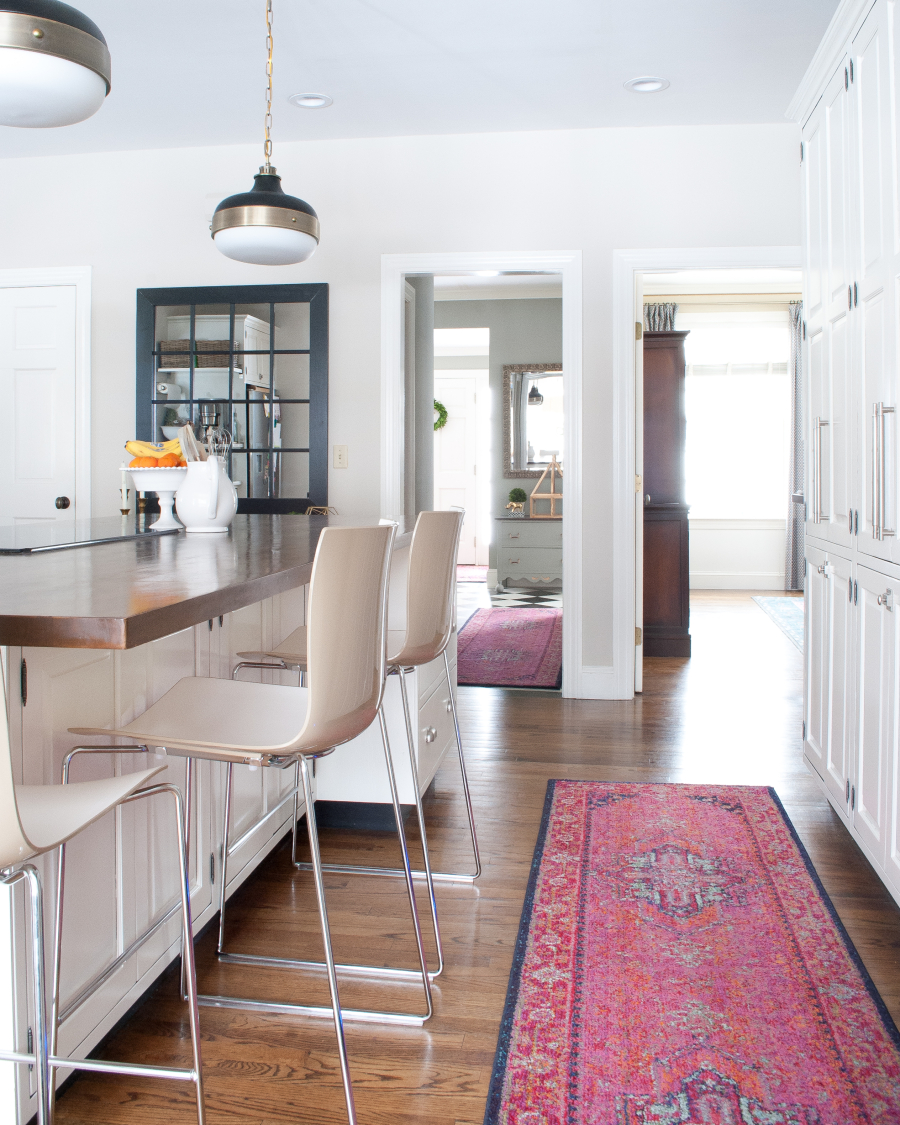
pixel 23 681
pixel 638 330
pixel 638 636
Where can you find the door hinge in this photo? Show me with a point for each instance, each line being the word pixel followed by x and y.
pixel 638 636
pixel 638 330
pixel 212 867
pixel 638 482
pixel 23 681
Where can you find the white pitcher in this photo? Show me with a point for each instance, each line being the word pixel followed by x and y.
pixel 207 500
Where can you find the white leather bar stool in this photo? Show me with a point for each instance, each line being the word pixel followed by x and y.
pixel 430 597
pixel 35 820
pixel 268 725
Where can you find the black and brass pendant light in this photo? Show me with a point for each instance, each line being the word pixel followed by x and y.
pixel 264 226
pixel 54 64
pixel 535 398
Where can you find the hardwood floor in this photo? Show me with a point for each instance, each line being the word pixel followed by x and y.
pixel 731 714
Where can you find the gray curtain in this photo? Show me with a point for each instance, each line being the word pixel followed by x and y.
pixel 794 550
pixel 660 318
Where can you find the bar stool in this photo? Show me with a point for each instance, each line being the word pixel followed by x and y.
pixel 268 725
pixel 35 820
pixel 430 596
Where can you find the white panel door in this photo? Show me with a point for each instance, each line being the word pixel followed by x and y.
pixel 870 93
pixel 841 693
pixel 456 462
pixel 818 659
pixel 877 614
pixel 37 403
pixel 830 424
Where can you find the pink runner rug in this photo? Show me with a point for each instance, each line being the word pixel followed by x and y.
pixel 679 963
pixel 511 648
pixel 466 573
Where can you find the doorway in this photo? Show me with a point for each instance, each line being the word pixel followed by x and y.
pixel 45 392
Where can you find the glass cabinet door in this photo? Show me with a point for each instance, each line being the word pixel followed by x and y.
pixel 252 360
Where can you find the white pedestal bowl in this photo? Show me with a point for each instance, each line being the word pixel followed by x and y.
pixel 165 483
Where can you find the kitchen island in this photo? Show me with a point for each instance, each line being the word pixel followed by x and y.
pixel 94 635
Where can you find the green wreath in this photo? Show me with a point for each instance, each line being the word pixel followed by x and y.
pixel 441 412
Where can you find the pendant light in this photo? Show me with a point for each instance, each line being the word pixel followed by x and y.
pixel 265 226
pixel 535 398
pixel 54 64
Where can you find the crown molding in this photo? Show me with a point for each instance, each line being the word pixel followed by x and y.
pixel 846 20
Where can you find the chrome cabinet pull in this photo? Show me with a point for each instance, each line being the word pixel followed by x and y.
pixel 886 599
pixel 430 734
pixel 879 472
pixel 818 425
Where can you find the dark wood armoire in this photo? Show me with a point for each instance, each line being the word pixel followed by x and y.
pixel 666 571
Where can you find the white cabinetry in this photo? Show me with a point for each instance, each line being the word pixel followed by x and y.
pixel 848 111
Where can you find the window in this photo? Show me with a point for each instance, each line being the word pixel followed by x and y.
pixel 254 360
pixel 737 402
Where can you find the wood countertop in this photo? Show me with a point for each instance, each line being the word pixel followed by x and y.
pixel 121 595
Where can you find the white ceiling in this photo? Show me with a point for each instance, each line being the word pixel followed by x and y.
pixel 191 72
pixel 676 282
pixel 496 286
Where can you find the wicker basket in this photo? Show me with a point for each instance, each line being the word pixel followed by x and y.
pixel 207 353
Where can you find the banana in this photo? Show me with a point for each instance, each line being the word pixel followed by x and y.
pixel 153 449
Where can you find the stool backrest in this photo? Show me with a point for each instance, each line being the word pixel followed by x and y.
pixel 14 846
pixel 431 584
pixel 345 633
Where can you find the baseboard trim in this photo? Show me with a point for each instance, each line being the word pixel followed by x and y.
pixel 767 580
pixel 598 681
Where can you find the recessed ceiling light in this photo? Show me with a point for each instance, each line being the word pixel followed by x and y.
pixel 310 101
pixel 646 85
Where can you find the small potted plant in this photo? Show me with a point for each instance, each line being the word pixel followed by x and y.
pixel 516 505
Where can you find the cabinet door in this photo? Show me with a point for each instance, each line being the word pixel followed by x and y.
pixel 873 340
pixel 841 694
pixel 818 660
pixel 830 425
pixel 877 639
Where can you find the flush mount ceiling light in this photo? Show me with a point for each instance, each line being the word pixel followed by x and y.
pixel 310 101
pixel 264 226
pixel 646 85
pixel 54 64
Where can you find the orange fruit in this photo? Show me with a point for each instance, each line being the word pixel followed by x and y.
pixel 143 463
pixel 168 461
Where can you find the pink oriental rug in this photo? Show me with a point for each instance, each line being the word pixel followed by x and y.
pixel 679 963
pixel 511 648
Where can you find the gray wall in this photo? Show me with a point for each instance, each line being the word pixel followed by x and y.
pixel 522 331
pixel 424 287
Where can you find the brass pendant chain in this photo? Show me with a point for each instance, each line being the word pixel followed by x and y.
pixel 269 46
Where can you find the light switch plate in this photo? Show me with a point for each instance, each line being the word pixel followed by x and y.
pixel 341 459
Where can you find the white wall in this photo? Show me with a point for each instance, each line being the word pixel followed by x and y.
pixel 737 554
pixel 140 219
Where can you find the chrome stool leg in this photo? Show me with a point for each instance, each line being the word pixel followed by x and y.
pixel 465 783
pixel 313 834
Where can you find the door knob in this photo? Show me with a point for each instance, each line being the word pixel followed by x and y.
pixel 647 498
pixel 63 502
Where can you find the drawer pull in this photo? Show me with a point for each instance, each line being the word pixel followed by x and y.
pixel 449 705
pixel 513 562
pixel 430 734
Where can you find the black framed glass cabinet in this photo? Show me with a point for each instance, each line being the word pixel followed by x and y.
pixel 252 359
